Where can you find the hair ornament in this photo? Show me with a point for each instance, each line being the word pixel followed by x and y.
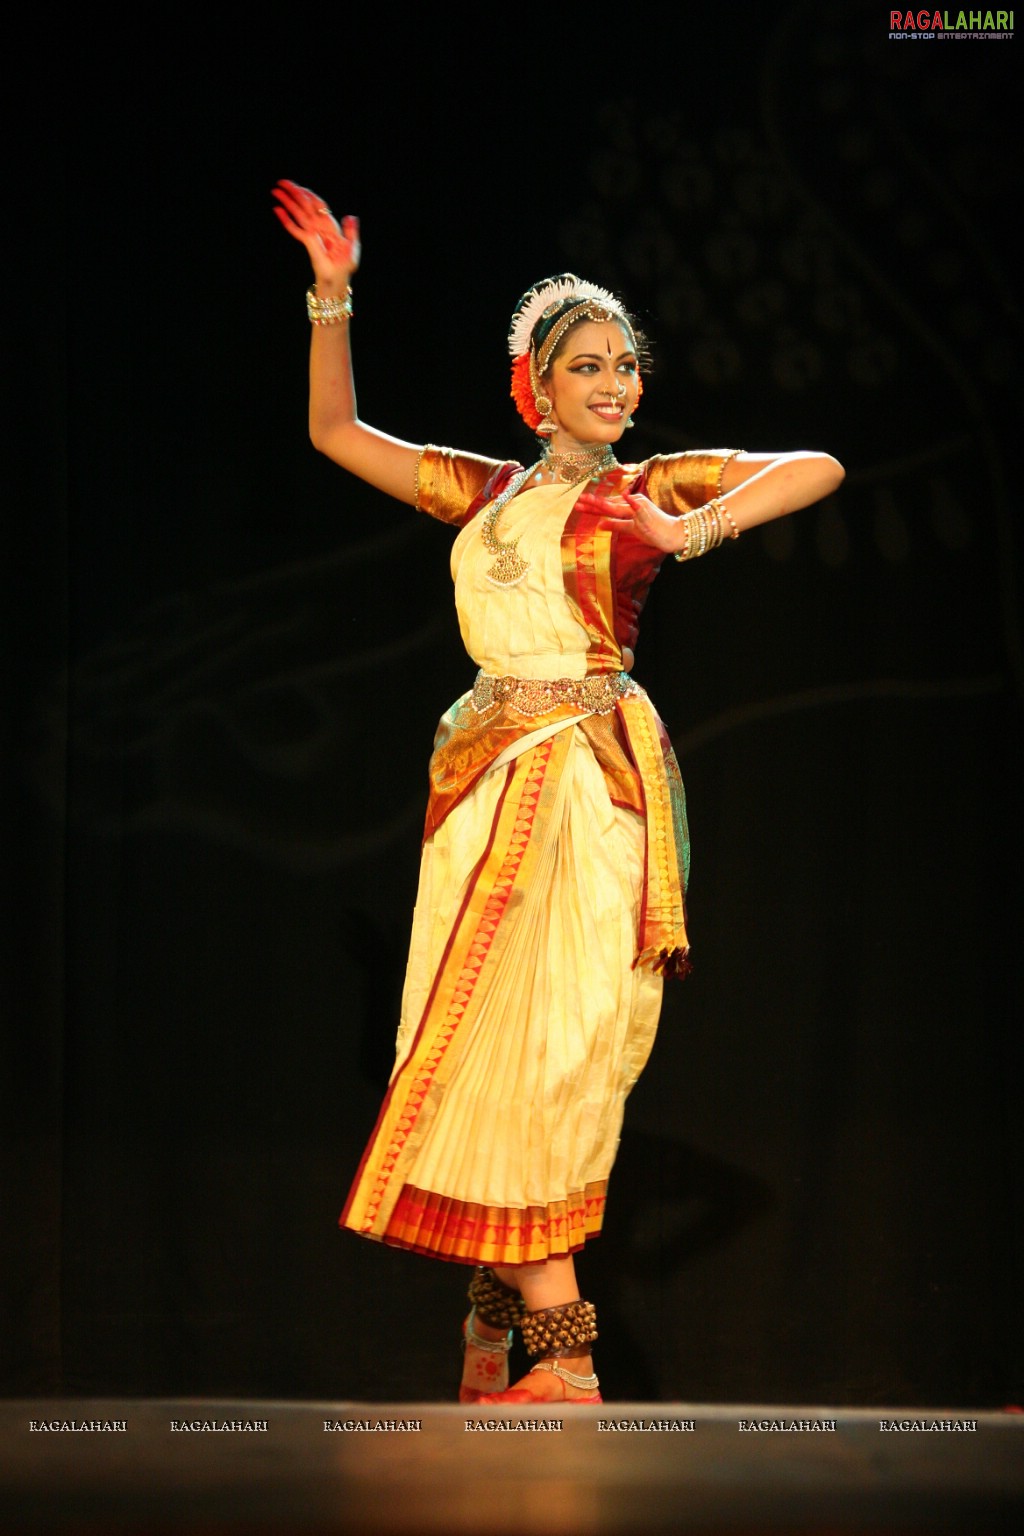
pixel 542 302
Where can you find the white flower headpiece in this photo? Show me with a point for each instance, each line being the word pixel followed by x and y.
pixel 545 299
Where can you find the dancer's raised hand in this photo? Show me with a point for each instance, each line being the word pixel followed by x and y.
pixel 333 248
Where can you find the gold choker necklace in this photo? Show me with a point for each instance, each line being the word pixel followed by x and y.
pixel 584 464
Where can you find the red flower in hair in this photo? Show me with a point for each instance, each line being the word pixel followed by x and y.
pixel 522 392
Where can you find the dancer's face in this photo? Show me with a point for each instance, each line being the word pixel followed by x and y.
pixel 592 384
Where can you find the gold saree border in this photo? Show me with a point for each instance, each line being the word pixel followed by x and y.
pixel 662 941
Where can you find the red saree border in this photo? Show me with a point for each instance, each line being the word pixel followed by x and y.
pixel 468 1233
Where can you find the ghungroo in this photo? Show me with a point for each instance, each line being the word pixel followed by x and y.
pixel 566 1330
pixel 496 1304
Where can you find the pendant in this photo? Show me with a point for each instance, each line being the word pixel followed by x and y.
pixel 509 568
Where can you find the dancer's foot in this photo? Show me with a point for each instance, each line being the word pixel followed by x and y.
pixel 485 1362
pixel 551 1382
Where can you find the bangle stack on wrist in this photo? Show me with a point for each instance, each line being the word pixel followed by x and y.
pixel 329 311
pixel 704 529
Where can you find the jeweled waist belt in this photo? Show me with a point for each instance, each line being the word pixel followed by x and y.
pixel 595 694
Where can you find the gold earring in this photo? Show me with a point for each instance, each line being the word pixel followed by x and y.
pixel 542 401
pixel 548 426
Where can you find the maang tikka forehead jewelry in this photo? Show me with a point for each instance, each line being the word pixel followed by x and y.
pixel 588 310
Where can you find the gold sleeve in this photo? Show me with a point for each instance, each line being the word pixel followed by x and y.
pixel 447 482
pixel 678 482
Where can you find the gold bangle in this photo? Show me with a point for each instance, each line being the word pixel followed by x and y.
pixel 684 553
pixel 704 529
pixel 693 525
pixel 328 311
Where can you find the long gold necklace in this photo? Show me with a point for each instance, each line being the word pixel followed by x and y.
pixel 570 468
pixel 509 566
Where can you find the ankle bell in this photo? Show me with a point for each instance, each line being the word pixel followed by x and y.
pixel 566 1330
pixel 495 1303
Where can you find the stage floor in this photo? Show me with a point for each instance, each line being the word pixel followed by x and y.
pixel 223 1468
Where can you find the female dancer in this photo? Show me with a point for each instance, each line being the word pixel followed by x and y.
pixel 551 896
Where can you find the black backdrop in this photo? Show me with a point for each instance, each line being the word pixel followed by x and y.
pixel 225 661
